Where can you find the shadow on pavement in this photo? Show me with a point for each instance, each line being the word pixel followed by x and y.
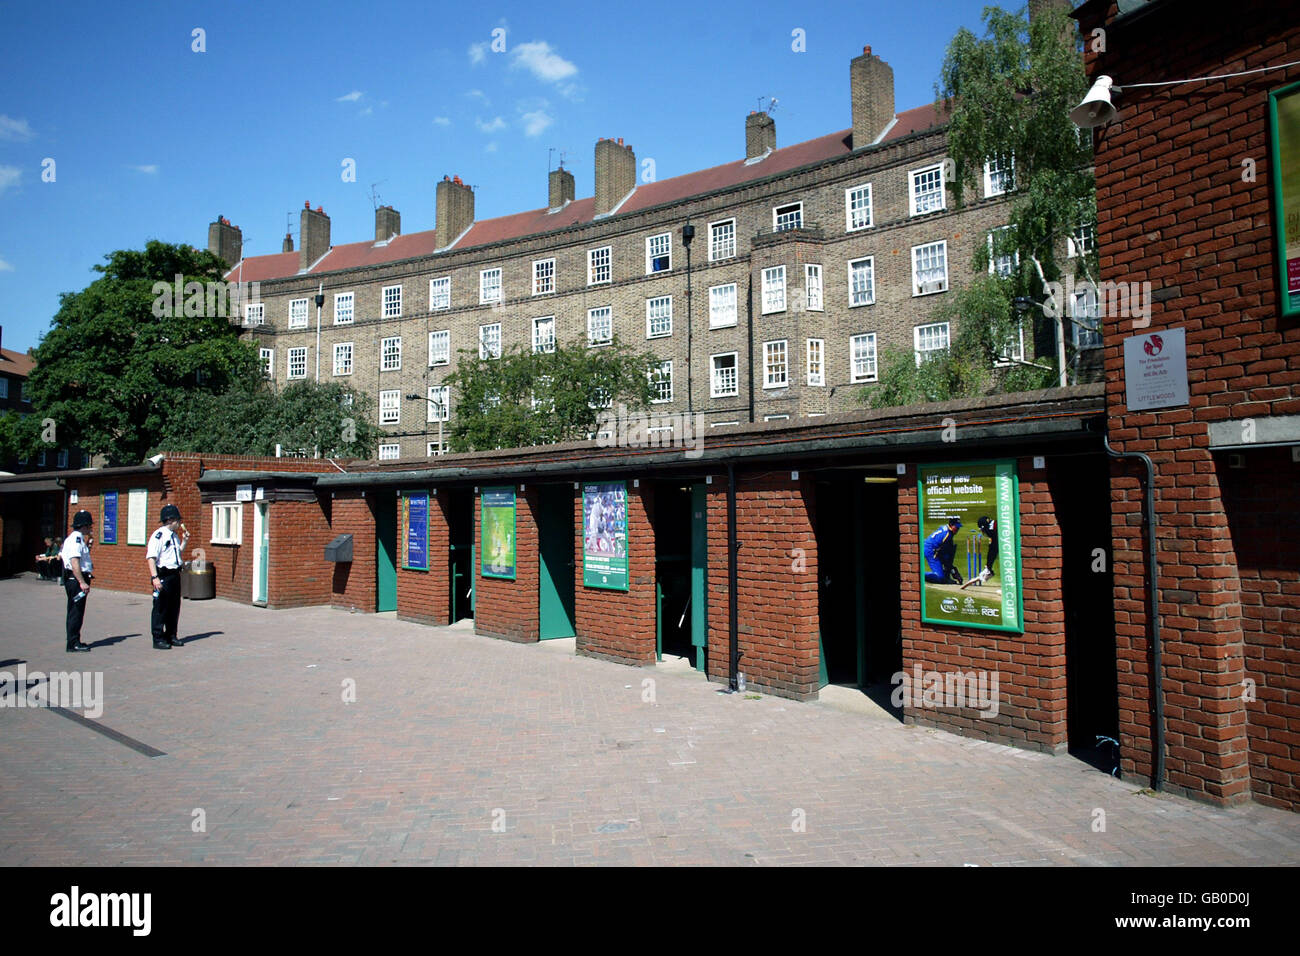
pixel 190 638
pixel 11 662
pixel 110 641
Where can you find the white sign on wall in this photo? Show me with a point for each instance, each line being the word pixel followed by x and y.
pixel 243 492
pixel 1155 370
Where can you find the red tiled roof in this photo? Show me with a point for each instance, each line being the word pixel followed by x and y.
pixel 537 221
pixel 16 363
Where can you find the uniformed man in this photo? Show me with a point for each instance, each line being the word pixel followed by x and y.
pixel 163 556
pixel 77 577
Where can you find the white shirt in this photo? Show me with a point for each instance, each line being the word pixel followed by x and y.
pixel 74 546
pixel 165 548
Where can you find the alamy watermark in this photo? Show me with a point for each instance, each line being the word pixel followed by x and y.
pixel 69 690
pixel 623 429
pixel 203 299
pixel 977 689
pixel 1098 300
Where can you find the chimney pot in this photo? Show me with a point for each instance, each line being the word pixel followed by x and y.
pixel 306 204
pixel 453 210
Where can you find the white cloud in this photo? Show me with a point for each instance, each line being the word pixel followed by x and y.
pixel 477 53
pixel 543 62
pixel 367 111
pixel 349 97
pixel 149 169
pixel 441 121
pixel 494 126
pixel 490 147
pixel 535 122
pixel 15 129
pixel 9 176
pixel 478 95
pixel 4 266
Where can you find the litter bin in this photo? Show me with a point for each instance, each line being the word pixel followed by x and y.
pixel 198 584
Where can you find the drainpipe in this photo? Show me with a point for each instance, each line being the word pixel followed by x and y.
pixel 749 324
pixel 733 627
pixel 1153 609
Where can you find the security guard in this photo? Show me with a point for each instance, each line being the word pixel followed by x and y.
pixel 163 556
pixel 77 577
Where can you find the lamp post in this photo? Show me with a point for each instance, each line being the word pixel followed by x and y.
pixel 688 233
pixel 1022 305
pixel 320 301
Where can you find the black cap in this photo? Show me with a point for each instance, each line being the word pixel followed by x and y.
pixel 82 519
pixel 170 513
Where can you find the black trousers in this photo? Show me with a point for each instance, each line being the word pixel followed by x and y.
pixel 76 609
pixel 167 608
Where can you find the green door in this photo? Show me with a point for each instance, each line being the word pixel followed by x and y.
pixel 386 553
pixel 699 572
pixel 263 535
pixel 555 617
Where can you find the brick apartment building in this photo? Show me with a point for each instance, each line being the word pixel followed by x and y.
pixel 808 263
pixel 1186 176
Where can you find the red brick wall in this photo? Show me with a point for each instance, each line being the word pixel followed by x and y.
pixel 353 584
pixel 121 566
pixel 509 608
pixel 620 625
pixel 423 595
pixel 1174 209
pixel 777 612
pixel 299 574
pixel 1030 666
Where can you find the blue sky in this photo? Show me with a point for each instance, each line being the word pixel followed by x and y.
pixel 151 139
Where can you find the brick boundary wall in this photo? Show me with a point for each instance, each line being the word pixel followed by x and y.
pixel 424 596
pixel 1030 666
pixel 299 575
pixel 502 608
pixel 354 585
pixel 620 625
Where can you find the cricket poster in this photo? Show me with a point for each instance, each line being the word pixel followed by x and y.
pixel 498 532
pixel 415 527
pixel 108 520
pixel 969 560
pixel 1284 122
pixel 604 535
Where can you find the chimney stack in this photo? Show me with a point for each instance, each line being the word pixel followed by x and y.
pixel 871 81
pixel 615 174
pixel 454 210
pixel 287 245
pixel 225 241
pixel 388 223
pixel 314 234
pixel 760 135
pixel 561 188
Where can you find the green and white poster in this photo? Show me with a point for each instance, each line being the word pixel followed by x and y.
pixel 969 559
pixel 1284 120
pixel 604 535
pixel 498 532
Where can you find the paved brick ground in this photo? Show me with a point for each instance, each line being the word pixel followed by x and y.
pixel 451 733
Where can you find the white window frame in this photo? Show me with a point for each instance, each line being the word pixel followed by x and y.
pixel 298 314
pixel 915 207
pixel 488 290
pixel 345 310
pixel 1085 319
pixel 390 406
pixel 544 344
pixel 442 395
pixel 61 460
pixel 485 335
pixel 858 370
pixel 814 289
pixel 440 293
pixel 659 309
pixel 390 451
pixel 267 357
pixel 1013 259
pixel 724 246
pixel 783 417
pixel 850 209
pixel 391 301
pixel 544 277
pixel 257 309
pixel 1017 349
pixel 661 376
pixel 815 368
pixel 390 353
pixel 714 390
pixel 771 363
pixel 870 297
pixel 440 347
pixel 664 242
pixel 783 211
pixel 600 272
pixel 916 285
pixel 720 306
pixel 227 522
pixel 606 320
pixel 1008 179
pixel 1081 240
pixel 917 336
pixel 302 354
pixel 343 368
pixel 773 298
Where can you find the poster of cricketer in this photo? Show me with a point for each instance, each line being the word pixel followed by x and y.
pixel 498 533
pixel 604 535
pixel 969 560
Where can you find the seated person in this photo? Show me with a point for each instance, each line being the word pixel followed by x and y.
pixel 43 560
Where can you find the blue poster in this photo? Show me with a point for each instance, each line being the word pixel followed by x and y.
pixel 416 508
pixel 108 521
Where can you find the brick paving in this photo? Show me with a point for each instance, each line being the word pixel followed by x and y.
pixel 451 734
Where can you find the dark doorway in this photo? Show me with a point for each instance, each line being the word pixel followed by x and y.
pixel 555 599
pixel 460 556
pixel 1081 496
pixel 672 526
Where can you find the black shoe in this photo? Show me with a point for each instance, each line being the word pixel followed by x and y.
pixel 162 646
pixel 78 647
pixel 176 642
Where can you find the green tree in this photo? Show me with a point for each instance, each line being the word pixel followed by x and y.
pixel 111 372
pixel 1009 94
pixel 20 437
pixel 539 398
